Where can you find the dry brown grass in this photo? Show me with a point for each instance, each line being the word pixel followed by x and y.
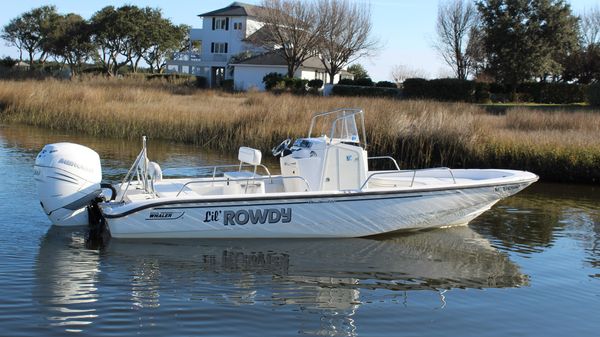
pixel 419 133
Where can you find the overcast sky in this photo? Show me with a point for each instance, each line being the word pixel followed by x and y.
pixel 406 28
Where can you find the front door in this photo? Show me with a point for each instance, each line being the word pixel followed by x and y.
pixel 217 76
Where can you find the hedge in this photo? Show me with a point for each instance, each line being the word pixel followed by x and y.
pixel 552 93
pixel 355 90
pixel 446 89
pixel 315 84
pixel 470 91
pixel 386 84
pixel 593 94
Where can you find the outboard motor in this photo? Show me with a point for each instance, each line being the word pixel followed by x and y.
pixel 68 179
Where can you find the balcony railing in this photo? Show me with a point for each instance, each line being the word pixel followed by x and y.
pixel 186 56
pixel 197 57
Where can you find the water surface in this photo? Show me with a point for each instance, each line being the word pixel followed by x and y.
pixel 530 266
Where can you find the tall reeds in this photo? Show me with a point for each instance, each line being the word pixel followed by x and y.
pixel 418 133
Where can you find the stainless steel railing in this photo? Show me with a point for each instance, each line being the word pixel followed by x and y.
pixel 240 179
pixel 414 174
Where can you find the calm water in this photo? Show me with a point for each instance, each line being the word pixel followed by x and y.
pixel 528 267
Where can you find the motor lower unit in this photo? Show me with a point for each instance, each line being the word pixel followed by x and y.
pixel 68 179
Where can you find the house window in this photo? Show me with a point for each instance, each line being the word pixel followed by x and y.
pixel 218 47
pixel 237 26
pixel 220 23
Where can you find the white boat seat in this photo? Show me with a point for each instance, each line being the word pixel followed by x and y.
pixel 240 175
pixel 243 183
pixel 249 155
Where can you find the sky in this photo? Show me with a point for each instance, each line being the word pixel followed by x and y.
pixel 404 28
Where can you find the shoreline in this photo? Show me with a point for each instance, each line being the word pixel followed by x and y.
pixel 559 146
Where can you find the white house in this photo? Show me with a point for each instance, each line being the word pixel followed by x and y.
pixel 248 73
pixel 227 33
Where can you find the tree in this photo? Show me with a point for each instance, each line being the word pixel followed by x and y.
pixel 525 38
pixel 358 71
pixel 590 27
pixel 116 32
pixel 455 20
pixel 401 73
pixel 584 64
pixel 294 28
pixel 152 30
pixel 346 34
pixel 165 40
pixel 29 32
pixel 70 39
pixel 476 53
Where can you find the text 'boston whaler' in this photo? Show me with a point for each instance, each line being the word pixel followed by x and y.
pixel 325 189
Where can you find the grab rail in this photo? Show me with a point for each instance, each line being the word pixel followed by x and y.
pixel 412 182
pixel 431 169
pixel 215 167
pixel 387 157
pixel 240 179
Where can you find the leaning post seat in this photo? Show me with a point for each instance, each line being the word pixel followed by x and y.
pixel 250 156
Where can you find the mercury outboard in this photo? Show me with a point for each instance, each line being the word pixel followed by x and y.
pixel 68 179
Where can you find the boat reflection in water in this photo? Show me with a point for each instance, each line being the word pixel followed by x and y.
pixel 67 277
pixel 324 275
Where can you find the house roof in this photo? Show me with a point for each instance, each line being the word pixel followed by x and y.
pixel 236 9
pixel 275 58
pixel 258 37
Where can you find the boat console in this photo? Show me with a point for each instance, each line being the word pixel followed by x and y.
pixel 335 160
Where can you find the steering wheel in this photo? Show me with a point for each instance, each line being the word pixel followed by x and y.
pixel 279 148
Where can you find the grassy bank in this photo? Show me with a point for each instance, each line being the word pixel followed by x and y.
pixel 560 146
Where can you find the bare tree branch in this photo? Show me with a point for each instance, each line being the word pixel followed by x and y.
pixel 401 73
pixel 454 22
pixel 294 28
pixel 346 34
pixel 590 27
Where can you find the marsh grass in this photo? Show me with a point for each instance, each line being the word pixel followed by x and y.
pixel 558 145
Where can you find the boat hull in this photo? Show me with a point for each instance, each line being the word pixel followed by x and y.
pixel 328 215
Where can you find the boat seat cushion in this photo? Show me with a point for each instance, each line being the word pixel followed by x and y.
pixel 240 175
pixel 249 155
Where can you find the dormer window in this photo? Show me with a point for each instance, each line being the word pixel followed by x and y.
pixel 220 23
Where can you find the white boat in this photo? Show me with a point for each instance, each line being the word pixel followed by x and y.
pixel 325 189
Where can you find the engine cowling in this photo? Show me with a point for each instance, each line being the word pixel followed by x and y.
pixel 68 178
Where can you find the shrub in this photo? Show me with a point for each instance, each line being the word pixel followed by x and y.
pixel 201 82
pixel 386 84
pixel 315 84
pixel 354 90
pixel 295 85
pixel 415 88
pixel 8 62
pixel 593 94
pixel 451 89
pixel 365 82
pixel 346 81
pixel 271 80
pixel 552 93
pixel 227 85
pixel 546 93
pixel 499 88
pixel 482 93
pixel 444 89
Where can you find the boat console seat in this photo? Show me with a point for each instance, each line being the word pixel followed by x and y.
pixel 242 182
